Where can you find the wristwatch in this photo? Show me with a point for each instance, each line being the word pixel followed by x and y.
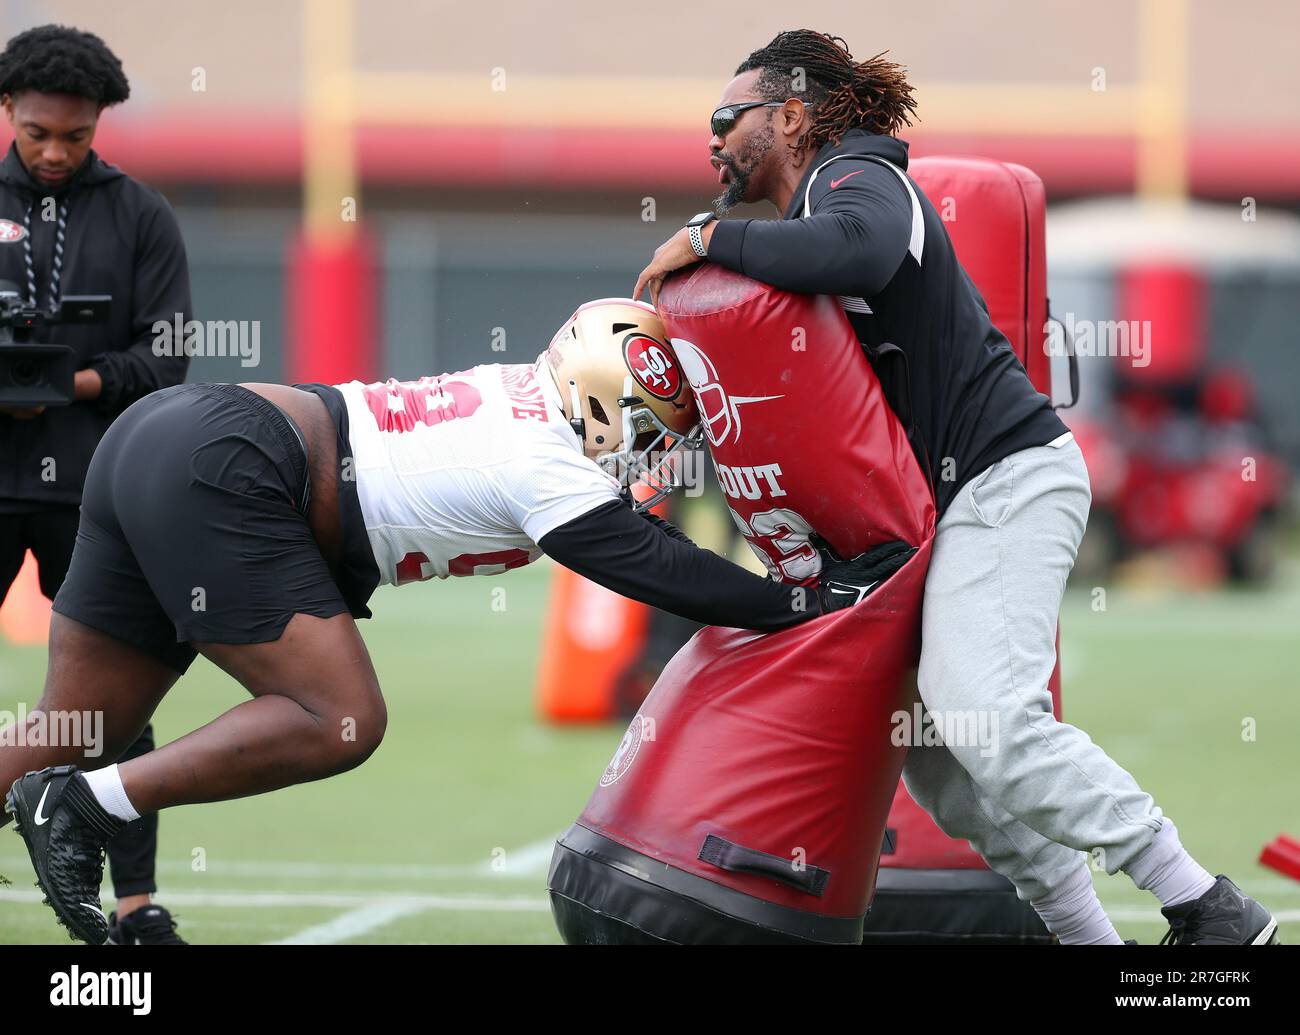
pixel 695 224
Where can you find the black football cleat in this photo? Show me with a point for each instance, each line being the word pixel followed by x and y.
pixel 1222 916
pixel 149 925
pixel 65 829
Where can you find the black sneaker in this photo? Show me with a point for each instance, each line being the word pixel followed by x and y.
pixel 149 925
pixel 1222 916
pixel 65 829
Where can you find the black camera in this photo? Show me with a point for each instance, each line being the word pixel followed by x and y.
pixel 33 374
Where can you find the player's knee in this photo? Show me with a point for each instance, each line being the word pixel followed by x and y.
pixel 360 733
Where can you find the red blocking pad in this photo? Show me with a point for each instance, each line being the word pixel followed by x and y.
pixel 747 801
pixel 996 214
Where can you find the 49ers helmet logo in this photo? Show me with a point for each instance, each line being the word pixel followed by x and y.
pixel 652 364
pixel 11 232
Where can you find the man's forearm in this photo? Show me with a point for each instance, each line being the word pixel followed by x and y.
pixel 852 243
pixel 831 254
pixel 621 551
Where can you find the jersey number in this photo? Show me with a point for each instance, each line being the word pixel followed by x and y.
pixel 411 568
pixel 781 538
pixel 401 405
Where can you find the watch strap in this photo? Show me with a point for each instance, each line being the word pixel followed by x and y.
pixel 697 242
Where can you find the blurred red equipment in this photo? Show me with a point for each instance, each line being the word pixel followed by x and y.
pixel 1282 854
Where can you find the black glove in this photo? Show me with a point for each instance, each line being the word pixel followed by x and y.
pixel 845 583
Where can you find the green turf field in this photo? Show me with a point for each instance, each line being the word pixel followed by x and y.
pixel 444 835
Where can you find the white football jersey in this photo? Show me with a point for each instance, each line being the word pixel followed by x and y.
pixel 463 473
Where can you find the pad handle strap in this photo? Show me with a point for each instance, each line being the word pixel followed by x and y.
pixel 718 851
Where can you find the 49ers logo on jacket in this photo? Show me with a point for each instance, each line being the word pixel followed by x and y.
pixel 11 232
pixel 652 364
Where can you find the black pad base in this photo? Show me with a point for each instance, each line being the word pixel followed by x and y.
pixel 950 907
pixel 604 893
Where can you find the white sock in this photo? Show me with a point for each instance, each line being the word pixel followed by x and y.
pixel 1166 870
pixel 1073 912
pixel 106 786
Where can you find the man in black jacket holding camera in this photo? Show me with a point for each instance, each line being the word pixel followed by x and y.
pixel 72 224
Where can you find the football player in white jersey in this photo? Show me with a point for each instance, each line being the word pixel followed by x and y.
pixel 251 524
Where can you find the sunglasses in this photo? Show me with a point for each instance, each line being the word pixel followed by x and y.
pixel 724 119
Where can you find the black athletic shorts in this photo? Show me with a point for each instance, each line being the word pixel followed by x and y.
pixel 194 526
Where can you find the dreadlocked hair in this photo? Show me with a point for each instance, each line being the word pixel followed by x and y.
pixel 841 94
pixel 59 59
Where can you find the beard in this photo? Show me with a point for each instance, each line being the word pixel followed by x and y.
pixel 742 166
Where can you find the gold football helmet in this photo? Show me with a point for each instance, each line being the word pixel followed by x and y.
pixel 624 393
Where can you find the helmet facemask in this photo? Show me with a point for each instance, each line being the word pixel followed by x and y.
pixel 650 454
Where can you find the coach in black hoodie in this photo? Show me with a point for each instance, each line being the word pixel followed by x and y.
pixel 70 224
pixel 805 127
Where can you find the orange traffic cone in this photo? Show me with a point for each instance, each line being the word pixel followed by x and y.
pixel 25 614
pixel 592 634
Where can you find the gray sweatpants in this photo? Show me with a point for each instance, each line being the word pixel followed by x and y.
pixel 1030 794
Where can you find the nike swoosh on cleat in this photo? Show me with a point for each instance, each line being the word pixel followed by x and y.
pixel 87 905
pixel 39 819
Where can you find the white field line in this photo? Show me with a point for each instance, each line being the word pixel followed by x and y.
pixel 353 923
pixel 367 912
pixel 301 869
pixel 364 912
pixel 236 899
pixel 530 860
pixel 527 861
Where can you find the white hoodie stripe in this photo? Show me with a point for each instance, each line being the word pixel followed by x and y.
pixel 917 242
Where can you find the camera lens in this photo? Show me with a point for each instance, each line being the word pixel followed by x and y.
pixel 25 373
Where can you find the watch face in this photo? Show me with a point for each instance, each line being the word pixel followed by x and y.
pixel 701 219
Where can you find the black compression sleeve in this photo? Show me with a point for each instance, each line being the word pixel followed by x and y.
pixel 668 528
pixel 852 244
pixel 616 548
